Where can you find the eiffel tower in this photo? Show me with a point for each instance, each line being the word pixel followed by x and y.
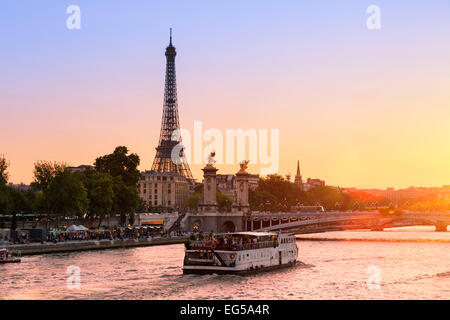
pixel 170 123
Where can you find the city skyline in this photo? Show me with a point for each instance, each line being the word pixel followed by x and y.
pixel 358 107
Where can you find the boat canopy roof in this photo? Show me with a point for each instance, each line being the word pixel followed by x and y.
pixel 251 234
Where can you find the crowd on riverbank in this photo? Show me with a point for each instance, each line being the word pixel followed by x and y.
pixel 56 236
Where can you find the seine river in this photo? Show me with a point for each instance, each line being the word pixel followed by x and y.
pixel 409 263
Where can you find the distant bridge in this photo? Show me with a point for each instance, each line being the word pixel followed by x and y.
pixel 336 220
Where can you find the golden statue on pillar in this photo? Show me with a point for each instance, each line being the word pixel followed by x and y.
pixel 211 160
pixel 244 165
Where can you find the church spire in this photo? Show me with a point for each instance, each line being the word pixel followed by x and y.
pixel 298 177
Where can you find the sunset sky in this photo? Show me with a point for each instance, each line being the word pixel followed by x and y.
pixel 357 107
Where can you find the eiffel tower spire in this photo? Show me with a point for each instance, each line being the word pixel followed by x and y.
pixel 170 122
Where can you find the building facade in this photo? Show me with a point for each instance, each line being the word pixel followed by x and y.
pixel 81 168
pixel 444 193
pixel 163 189
pixel 253 180
pixel 313 183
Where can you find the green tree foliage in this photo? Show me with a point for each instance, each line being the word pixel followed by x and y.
pixel 120 164
pixel 224 203
pixel 44 174
pixel 274 193
pixel 123 168
pixel 36 201
pixel 67 194
pixel 126 198
pixel 261 200
pixel 19 203
pixel 12 201
pixel 100 188
pixel 330 198
pixel 193 200
pixel 4 164
pixel 4 200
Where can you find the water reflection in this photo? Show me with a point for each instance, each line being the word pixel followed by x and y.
pixel 415 269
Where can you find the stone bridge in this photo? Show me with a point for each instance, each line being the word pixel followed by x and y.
pixel 332 221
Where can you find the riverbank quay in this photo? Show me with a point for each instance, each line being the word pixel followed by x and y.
pixel 71 246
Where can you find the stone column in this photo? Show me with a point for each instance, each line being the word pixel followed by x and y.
pixel 209 202
pixel 241 201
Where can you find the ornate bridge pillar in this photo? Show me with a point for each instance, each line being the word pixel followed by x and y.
pixel 209 203
pixel 241 201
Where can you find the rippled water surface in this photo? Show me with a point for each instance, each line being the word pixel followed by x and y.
pixel 326 270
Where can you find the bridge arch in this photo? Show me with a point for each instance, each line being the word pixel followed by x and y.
pixel 228 226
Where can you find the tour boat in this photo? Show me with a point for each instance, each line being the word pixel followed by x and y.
pixel 240 253
pixel 5 257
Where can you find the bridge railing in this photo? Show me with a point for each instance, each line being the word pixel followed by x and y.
pixel 209 245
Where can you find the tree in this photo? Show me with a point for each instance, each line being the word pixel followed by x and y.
pixel 123 169
pixel 45 173
pixel 19 203
pixel 330 198
pixel 5 201
pixel 126 199
pixel 12 202
pixel 101 195
pixel 193 201
pixel 223 202
pixel 275 193
pixel 4 164
pixel 262 200
pixel 67 194
pixel 36 200
pixel 120 164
